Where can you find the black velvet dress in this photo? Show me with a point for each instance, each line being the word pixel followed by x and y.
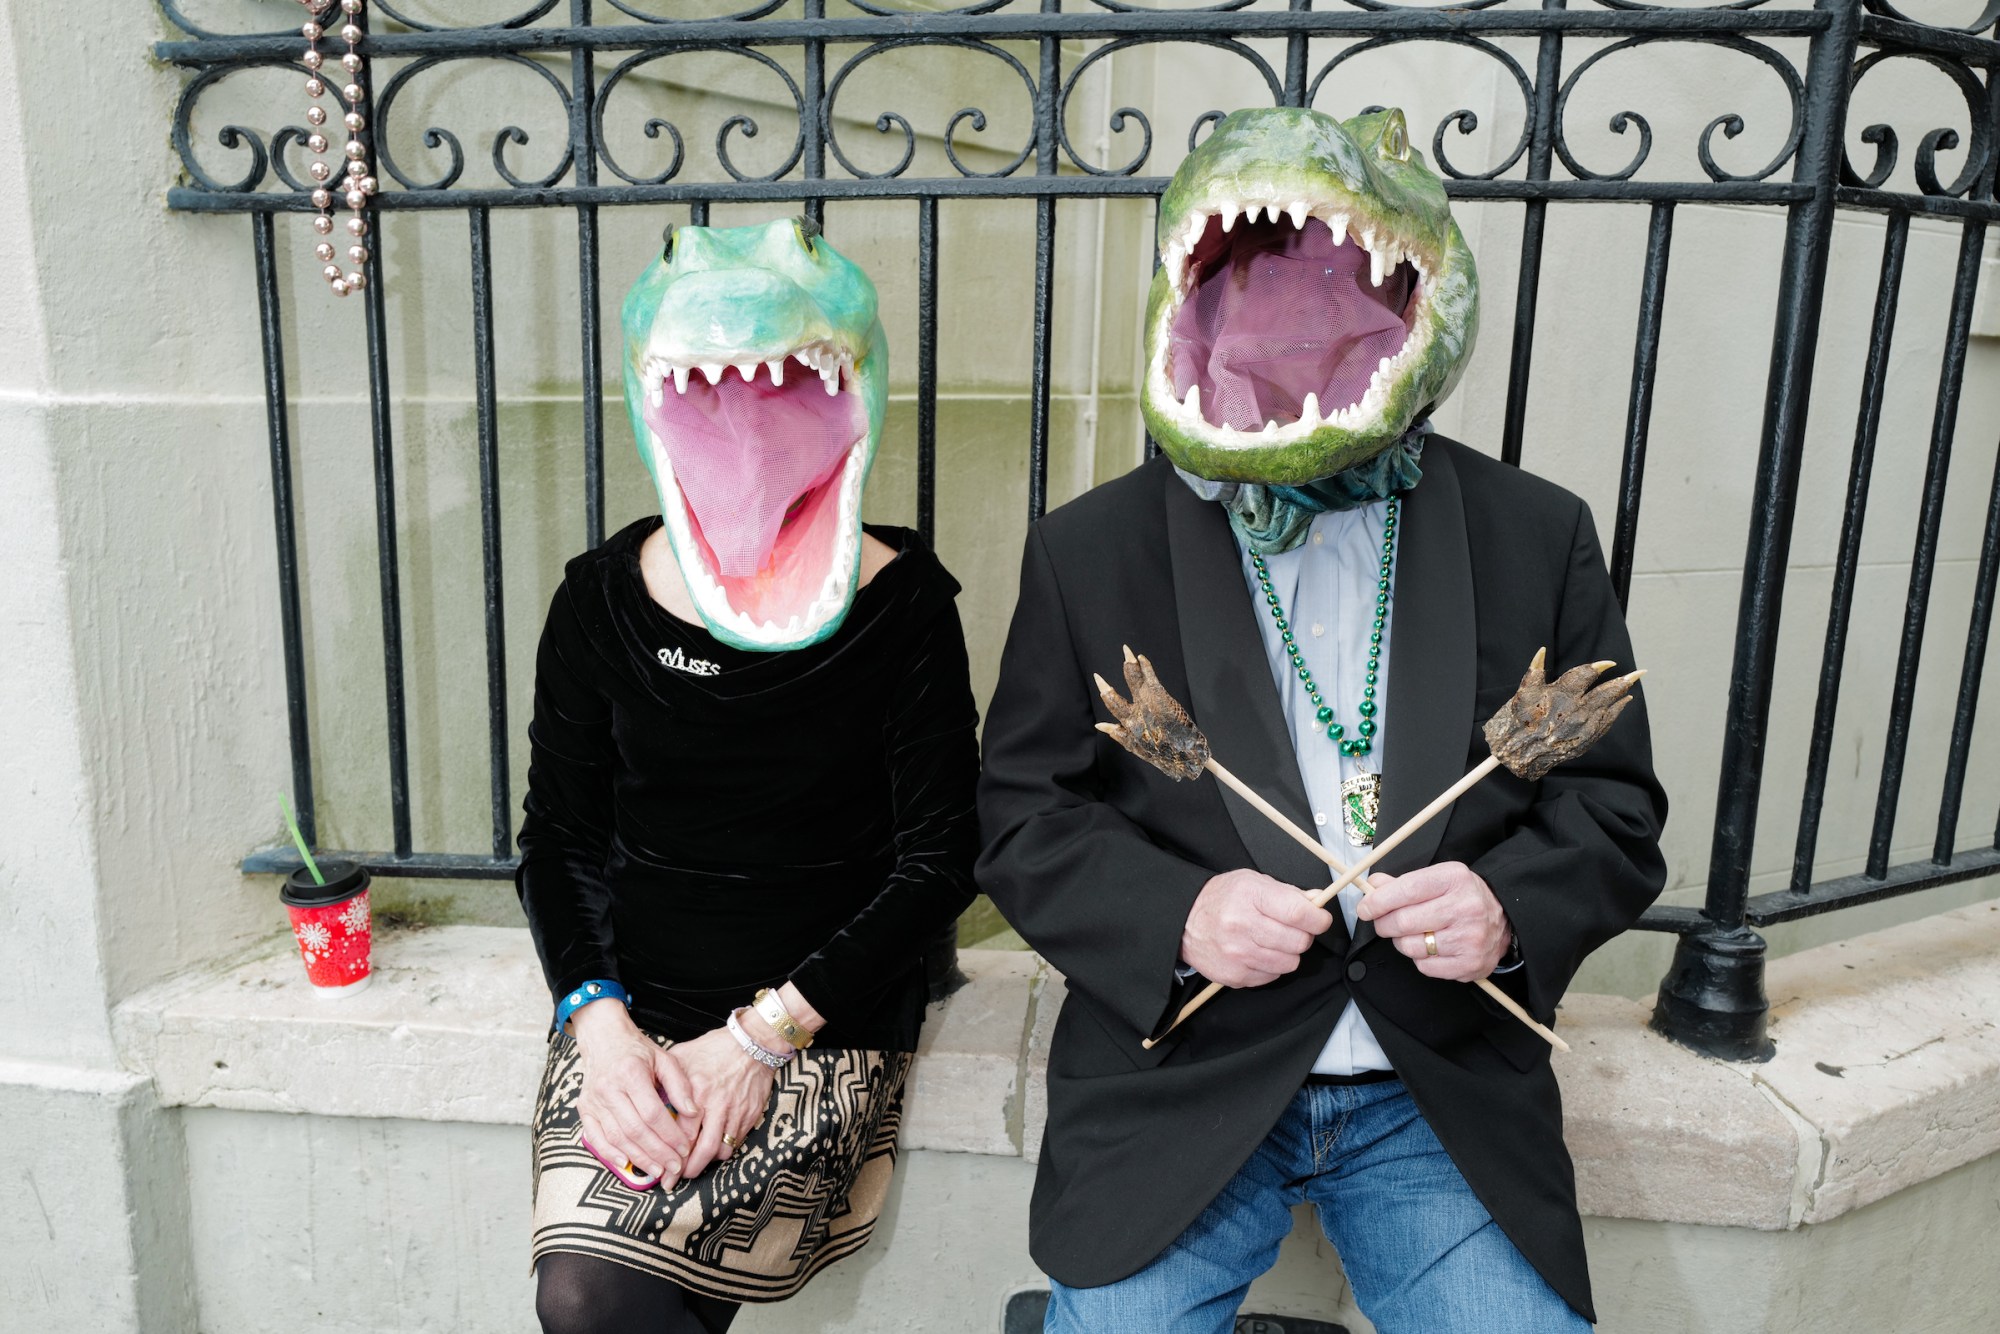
pixel 702 821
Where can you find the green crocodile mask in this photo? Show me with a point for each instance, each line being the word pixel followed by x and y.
pixel 1314 299
pixel 756 373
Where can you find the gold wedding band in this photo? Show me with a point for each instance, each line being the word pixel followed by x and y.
pixel 732 1141
pixel 1430 945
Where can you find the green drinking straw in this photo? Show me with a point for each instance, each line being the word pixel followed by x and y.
pixel 300 840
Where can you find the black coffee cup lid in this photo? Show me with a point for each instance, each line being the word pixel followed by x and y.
pixel 343 881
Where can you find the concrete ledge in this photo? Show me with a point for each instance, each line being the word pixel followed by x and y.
pixel 1887 1074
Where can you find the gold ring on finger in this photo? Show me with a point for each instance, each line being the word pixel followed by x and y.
pixel 1430 945
pixel 732 1141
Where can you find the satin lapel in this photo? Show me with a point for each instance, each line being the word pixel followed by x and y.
pixel 1231 694
pixel 1433 665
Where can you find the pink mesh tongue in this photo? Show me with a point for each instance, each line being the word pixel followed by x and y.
pixel 1281 312
pixel 744 453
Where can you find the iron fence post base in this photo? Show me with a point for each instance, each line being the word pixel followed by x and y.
pixel 1712 999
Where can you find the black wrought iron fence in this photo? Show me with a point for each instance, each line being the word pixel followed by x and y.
pixel 1713 996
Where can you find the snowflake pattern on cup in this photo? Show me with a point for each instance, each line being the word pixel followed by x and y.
pixel 334 940
pixel 355 917
pixel 313 938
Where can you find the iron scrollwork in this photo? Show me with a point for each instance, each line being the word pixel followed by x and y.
pixel 411 43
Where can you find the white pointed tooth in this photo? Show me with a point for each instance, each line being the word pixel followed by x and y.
pixel 748 370
pixel 832 383
pixel 1228 214
pixel 1270 429
pixel 1337 224
pixel 777 368
pixel 1298 213
pixel 711 371
pixel 1193 401
pixel 1388 365
pixel 1309 412
pixel 1375 268
pixel 680 379
pixel 656 394
pixel 803 357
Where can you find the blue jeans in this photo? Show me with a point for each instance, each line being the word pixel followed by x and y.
pixel 1423 1254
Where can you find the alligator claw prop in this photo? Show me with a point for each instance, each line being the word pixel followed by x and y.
pixel 1548 723
pixel 1153 725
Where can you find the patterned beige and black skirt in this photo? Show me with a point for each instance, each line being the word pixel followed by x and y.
pixel 803 1191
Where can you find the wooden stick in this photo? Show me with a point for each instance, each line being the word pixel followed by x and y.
pixel 1313 845
pixel 1349 875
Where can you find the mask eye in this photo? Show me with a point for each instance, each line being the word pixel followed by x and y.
pixel 1396 139
pixel 808 233
pixel 667 243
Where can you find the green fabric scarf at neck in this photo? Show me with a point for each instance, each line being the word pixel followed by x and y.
pixel 1273 519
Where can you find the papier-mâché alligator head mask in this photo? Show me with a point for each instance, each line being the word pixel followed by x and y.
pixel 756 373
pixel 1314 298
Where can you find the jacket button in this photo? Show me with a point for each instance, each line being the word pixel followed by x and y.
pixel 1356 971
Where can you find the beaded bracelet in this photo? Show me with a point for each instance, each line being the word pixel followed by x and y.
pixel 602 988
pixel 754 1049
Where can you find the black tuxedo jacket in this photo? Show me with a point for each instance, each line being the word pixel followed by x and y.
pixel 1096 858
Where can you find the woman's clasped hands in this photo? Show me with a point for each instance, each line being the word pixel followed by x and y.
pixel 673 1111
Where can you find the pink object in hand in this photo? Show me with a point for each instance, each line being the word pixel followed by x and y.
pixel 332 925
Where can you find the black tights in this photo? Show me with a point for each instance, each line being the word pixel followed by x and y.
pixel 581 1294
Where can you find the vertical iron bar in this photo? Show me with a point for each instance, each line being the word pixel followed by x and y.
pixel 1874 377
pixel 813 162
pixel 1639 415
pixel 1968 678
pixel 269 324
pixel 1045 259
pixel 593 376
pixel 1295 59
pixel 1923 561
pixel 927 323
pixel 1713 995
pixel 382 436
pixel 1534 216
pixel 583 147
pixel 489 528
pixel 1038 420
pixel 1152 446
pixel 698 213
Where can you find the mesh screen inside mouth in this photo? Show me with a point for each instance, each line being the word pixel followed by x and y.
pixel 1278 313
pixel 745 454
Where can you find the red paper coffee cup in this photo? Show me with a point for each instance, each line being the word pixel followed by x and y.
pixel 331 924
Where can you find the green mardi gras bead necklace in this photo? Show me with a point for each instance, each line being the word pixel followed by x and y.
pixel 1360 796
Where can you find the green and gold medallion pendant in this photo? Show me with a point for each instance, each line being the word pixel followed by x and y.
pixel 1361 795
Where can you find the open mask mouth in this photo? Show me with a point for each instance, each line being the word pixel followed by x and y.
pixel 760 465
pixel 1285 319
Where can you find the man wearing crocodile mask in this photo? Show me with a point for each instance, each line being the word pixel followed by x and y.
pixel 1341 596
pixel 749 808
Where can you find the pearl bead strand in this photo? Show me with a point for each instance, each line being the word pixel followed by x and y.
pixel 352 184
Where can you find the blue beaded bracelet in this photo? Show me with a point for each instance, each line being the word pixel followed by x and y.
pixel 596 989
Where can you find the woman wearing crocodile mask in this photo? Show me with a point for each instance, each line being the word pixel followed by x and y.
pixel 749 809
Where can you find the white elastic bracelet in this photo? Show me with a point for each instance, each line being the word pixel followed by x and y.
pixel 754 1049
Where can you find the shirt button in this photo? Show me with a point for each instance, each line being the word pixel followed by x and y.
pixel 1318 629
pixel 1319 817
pixel 1356 971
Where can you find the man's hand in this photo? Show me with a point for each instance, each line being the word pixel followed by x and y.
pixel 1454 905
pixel 1247 929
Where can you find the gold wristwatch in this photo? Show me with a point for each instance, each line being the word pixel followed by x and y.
pixel 771 1009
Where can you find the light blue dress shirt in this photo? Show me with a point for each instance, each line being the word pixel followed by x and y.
pixel 1327 586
